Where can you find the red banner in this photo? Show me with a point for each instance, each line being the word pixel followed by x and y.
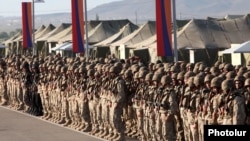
pixel 27 24
pixel 77 26
pixel 164 28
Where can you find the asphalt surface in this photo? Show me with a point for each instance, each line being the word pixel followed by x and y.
pixel 18 126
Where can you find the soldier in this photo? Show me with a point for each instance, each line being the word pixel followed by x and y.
pixel 116 103
pixel 65 119
pixel 26 86
pixel 213 104
pixel 83 105
pixel 129 111
pixel 166 100
pixel 105 103
pixel 94 101
pixel 144 80
pixel 3 83
pixel 233 110
pixel 37 108
pixel 247 100
pixel 151 110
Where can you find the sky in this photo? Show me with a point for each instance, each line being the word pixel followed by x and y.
pixel 13 7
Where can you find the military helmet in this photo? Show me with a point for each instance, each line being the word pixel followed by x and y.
pixel 90 66
pixel 149 76
pixel 239 78
pixel 91 72
pixel 113 69
pixel 174 75
pixel 97 74
pixel 208 78
pixel 198 80
pixel 118 65
pixel 82 70
pixel 188 74
pixel 217 63
pixel 125 66
pixel 237 67
pixel 128 73
pixel 25 65
pixel 166 79
pixel 156 77
pixel 247 74
pixel 76 70
pixel 216 82
pixel 214 70
pixel 228 67
pixel 142 74
pixel 190 82
pixel 58 68
pixel 136 75
pixel 180 76
pixel 64 69
pixel 227 84
pixel 247 82
pixel 173 69
pixel 230 75
pixel 135 68
pixel 202 67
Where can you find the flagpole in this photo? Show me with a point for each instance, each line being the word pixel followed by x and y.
pixel 86 28
pixel 33 28
pixel 175 32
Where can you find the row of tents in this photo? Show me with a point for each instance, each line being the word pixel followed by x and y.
pixel 205 37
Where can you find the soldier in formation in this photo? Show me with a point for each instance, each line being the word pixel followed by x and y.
pixel 112 98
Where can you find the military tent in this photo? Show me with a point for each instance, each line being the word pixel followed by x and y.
pixel 207 37
pixel 145 31
pixel 42 45
pixel 101 49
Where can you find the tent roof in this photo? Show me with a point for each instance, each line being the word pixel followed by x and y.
pixel 145 43
pixel 13 38
pixel 243 48
pixel 58 36
pixel 200 34
pixel 45 31
pixel 54 32
pixel 100 30
pixel 59 46
pixel 143 33
pixel 40 29
pixel 106 29
pixel 125 31
pixel 2 46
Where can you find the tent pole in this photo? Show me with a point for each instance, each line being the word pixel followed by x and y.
pixel 175 31
pixel 86 28
pixel 33 31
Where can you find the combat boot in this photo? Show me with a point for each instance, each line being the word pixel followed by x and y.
pixel 87 128
pixel 48 116
pixel 104 134
pixel 120 137
pixel 114 136
pixel 81 127
pixel 4 103
pixel 20 107
pixel 62 121
pixel 111 134
pixel 67 123
pixel 101 131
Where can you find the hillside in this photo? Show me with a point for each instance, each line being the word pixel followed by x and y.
pixel 139 11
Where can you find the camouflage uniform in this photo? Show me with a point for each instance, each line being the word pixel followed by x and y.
pixel 247 100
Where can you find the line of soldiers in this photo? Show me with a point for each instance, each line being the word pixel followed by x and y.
pixel 111 98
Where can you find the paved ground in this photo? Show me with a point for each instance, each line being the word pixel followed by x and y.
pixel 18 126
